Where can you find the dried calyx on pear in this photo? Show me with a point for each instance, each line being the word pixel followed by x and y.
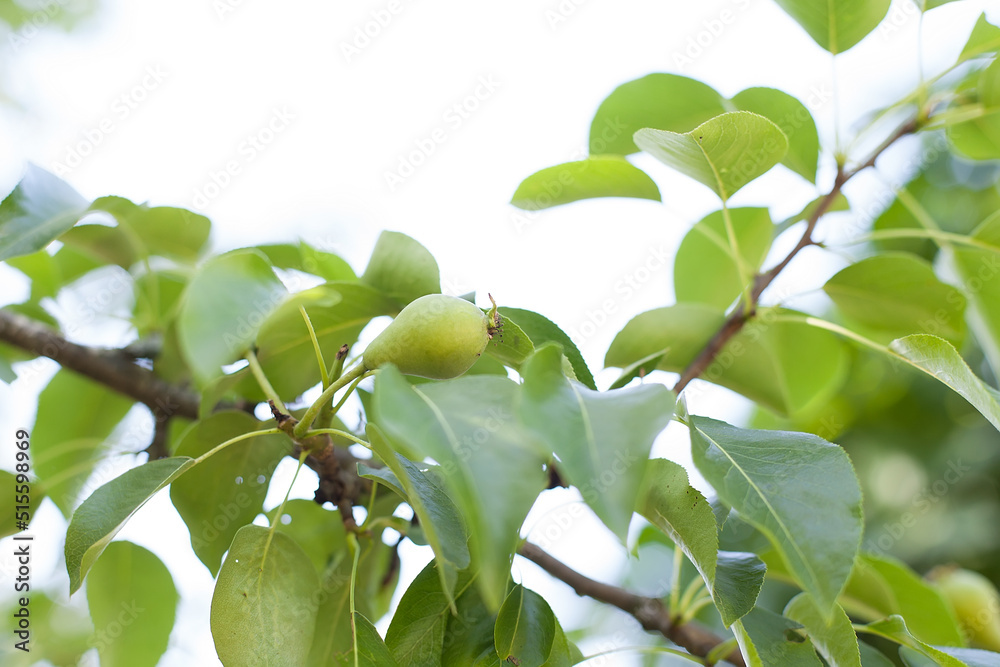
pixel 435 336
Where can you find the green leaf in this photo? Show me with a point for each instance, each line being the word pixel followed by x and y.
pixel 468 426
pixel 303 257
pixel 224 305
pixel 595 176
pixel 660 101
pixel 671 504
pixel 705 267
pixel 724 153
pixel 939 358
pixel 166 231
pixel 794 119
pixel 979 137
pixel 41 269
pixel 512 346
pixel 978 269
pixel 417 632
pixel 469 635
pixel 371 649
pixel 541 330
pixel 833 638
pixel 896 294
pixel 225 492
pixel 65 450
pixel 8 480
pixel 102 515
pixel 440 520
pixel 595 433
pixel 894 628
pixel 984 39
pixel 524 629
pixel 776 480
pixel 132 600
pixel 927 5
pixel 103 244
pixel 836 25
pixel 319 531
pixel 881 586
pixel 970 657
pixel 36 212
pixel 778 363
pixel 157 297
pixel 871 657
pixel 263 608
pixel 768 639
pixel 402 269
pixel 60 633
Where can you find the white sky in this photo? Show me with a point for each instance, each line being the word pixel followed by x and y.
pixel 161 96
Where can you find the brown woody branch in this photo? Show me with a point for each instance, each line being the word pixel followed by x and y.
pixel 743 312
pixel 650 612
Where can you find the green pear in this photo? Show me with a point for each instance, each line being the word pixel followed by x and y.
pixel 976 603
pixel 435 336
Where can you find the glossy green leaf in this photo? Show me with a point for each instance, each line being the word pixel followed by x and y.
pixel 132 600
pixel 99 518
pixel 780 364
pixel 333 641
pixel 8 480
pixel 511 346
pixel 895 294
pixel 671 504
pixel 263 610
pixel 871 657
pixel 894 628
pixel 970 657
pixel 836 25
pixel 224 493
pixel 542 330
pixel 525 628
pixel 402 269
pixel 319 531
pixel 724 153
pixel 594 433
pixel 979 137
pixel 833 638
pixel 775 480
pixel 440 520
pixel 984 39
pixel 469 634
pixel 593 177
pixel 224 305
pixel 371 649
pixel 979 270
pixel 767 639
pixel 142 231
pixel 65 449
pixel 660 101
pixel 39 209
pixel 794 119
pixel 880 586
pixel 706 268
pixel 939 358
pixel 468 426
pixel 304 257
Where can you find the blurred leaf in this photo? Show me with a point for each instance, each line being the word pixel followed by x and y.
pixel 837 25
pixel 894 628
pixel 794 120
pixel 262 609
pixel 724 153
pixel 371 649
pixel 59 633
pixel 595 433
pixel 775 480
pixel 525 628
pixel 318 531
pixel 166 231
pixel 984 39
pixel 99 518
pixel 660 101
pixel 103 244
pixel 970 657
pixel 225 492
pixel 66 449
pixel 870 657
pixel 469 635
pixel 467 425
pixel 41 269
pixel 833 638
pixel 705 267
pixel 669 502
pixel 978 270
pixel 225 303
pixel 595 176
pixel 133 602
pixel 304 257
pixel 979 138
pixel 39 209
pixel 767 639
pixel 542 330
pixel 157 297
pixel 440 520
pixel 402 269
pixel 896 294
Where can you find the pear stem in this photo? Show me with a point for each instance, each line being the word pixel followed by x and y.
pixel 347 378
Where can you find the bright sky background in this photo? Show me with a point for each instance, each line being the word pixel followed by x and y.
pixel 163 96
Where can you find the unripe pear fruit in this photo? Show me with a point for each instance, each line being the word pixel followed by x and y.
pixel 435 336
pixel 976 603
